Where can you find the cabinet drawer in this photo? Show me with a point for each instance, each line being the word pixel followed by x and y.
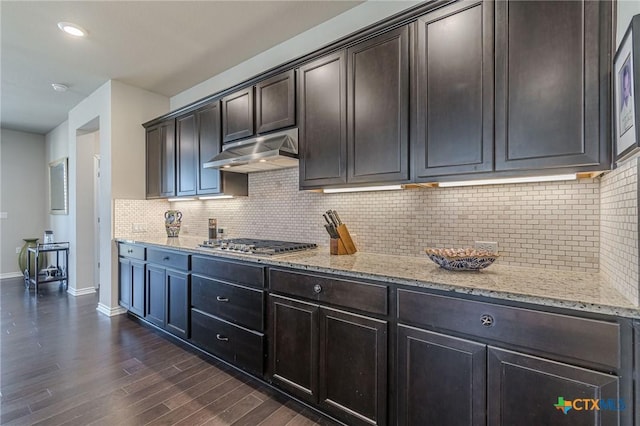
pixel 169 259
pixel 238 273
pixel 237 345
pixel 591 342
pixel 233 303
pixel 350 294
pixel 131 250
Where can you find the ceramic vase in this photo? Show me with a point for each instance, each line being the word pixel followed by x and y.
pixel 172 222
pixel 22 257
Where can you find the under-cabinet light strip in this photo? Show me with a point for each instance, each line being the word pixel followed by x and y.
pixel 362 189
pixel 528 179
pixel 216 197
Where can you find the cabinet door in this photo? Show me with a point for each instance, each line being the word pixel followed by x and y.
pixel 155 295
pixel 137 288
pixel 153 161
pixel 525 390
pixel 168 160
pixel 441 379
pixel 353 367
pixel 548 84
pixel 124 282
pixel 187 154
pixel 454 90
pixel 275 102
pixel 378 109
pixel 293 347
pixel 209 144
pixel 322 122
pixel 237 115
pixel 177 319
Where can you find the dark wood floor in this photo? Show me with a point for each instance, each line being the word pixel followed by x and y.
pixel 61 362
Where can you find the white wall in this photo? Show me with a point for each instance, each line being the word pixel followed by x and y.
pixel 85 150
pixel 321 35
pixel 626 10
pixel 23 194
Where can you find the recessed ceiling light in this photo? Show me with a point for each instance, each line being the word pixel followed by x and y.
pixel 72 29
pixel 58 87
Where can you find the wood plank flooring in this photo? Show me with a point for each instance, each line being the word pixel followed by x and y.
pixel 63 363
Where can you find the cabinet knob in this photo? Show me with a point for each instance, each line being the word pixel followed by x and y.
pixel 487 320
pixel 221 299
pixel 165 258
pixel 221 337
pixel 317 288
pixel 130 251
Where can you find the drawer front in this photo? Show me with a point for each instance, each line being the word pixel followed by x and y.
pixel 168 259
pixel 239 273
pixel 591 342
pixel 239 346
pixel 131 250
pixel 350 294
pixel 233 303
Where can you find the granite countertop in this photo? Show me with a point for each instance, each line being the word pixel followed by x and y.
pixel 572 290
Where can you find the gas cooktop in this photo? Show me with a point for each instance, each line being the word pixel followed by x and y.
pixel 258 247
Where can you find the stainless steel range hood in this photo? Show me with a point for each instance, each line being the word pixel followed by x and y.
pixel 270 152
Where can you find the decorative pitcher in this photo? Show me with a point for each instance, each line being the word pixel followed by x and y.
pixel 172 221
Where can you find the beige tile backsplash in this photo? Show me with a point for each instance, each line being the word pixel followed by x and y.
pixel 553 225
pixel 619 229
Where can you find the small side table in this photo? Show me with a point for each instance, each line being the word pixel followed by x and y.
pixel 47 275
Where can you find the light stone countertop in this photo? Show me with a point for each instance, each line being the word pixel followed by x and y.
pixel 564 289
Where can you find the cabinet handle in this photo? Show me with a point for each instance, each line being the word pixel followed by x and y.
pixel 221 337
pixel 165 258
pixel 221 299
pixel 487 320
pixel 317 288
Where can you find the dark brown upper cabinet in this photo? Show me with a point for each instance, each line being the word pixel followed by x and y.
pixel 378 109
pixel 198 137
pixel 322 121
pixel 276 102
pixel 187 154
pixel 552 84
pixel 161 160
pixel 209 145
pixel 237 115
pixel 454 91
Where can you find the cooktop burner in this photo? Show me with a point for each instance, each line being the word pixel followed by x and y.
pixel 259 247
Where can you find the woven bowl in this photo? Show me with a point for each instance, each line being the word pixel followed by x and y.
pixel 461 259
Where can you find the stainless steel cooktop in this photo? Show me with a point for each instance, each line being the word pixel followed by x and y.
pixel 256 246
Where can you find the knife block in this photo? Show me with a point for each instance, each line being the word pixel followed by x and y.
pixel 344 244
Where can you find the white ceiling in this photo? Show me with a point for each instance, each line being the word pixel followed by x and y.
pixel 162 46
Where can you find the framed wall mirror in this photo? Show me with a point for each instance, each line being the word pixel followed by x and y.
pixel 58 187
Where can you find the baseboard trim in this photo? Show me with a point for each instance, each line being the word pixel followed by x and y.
pixel 110 312
pixel 81 292
pixel 11 275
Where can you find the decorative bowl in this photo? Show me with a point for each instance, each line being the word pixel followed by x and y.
pixel 461 259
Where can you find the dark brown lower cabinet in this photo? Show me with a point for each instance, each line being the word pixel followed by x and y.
pixel 124 282
pixel 446 380
pixel 334 359
pixel 137 287
pixel 238 345
pixel 525 390
pixel 156 295
pixel 167 299
pixel 441 379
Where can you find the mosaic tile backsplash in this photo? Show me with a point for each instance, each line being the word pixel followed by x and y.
pixel 551 225
pixel 619 229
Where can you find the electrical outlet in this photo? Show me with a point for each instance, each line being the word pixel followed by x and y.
pixel 221 232
pixel 138 227
pixel 490 246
